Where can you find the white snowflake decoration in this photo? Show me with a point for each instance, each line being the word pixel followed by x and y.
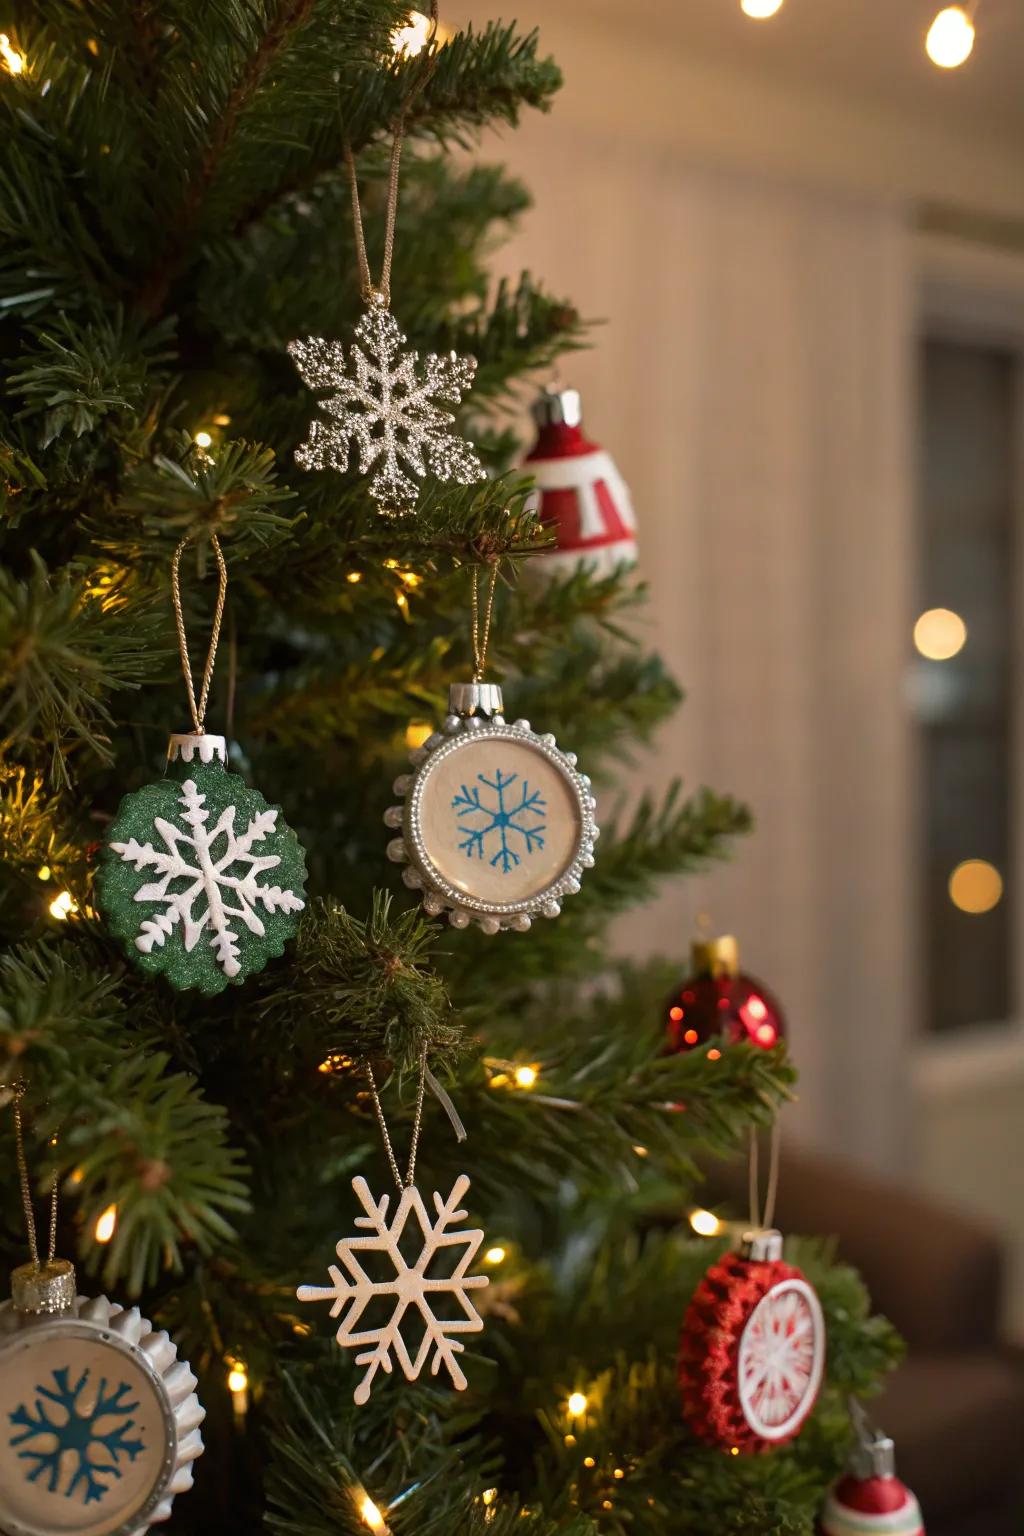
pixel 385 410
pixel 213 894
pixel 781 1359
pixel 496 819
pixel 410 1287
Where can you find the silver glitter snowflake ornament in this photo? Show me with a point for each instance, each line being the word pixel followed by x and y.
pixel 380 402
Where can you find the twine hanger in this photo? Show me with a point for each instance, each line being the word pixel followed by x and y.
pixel 198 709
pixel 757 1220
pixel 380 292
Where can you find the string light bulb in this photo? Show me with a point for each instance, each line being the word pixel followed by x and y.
pixel 44 872
pixel 106 1225
pixel 62 906
pixel 371 1515
pixel 494 1255
pixel 950 39
pixel 705 1223
pixel 238 1377
pixel 202 439
pixel 525 1077
pixel 14 62
pixel 577 1404
pixel 760 10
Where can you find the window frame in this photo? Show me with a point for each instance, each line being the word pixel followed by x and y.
pixel 972 294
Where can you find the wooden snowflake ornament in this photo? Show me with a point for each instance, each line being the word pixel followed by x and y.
pixel 199 877
pixel 752 1349
pixel 409 1291
pixel 99 1419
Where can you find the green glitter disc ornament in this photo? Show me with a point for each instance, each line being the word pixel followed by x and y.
pixel 200 879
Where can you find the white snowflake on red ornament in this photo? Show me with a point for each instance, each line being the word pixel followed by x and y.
pixel 752 1351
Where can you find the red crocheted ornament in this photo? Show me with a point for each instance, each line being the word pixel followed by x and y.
pixel 751 1354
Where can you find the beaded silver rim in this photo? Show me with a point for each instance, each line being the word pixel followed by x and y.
pixel 421 874
pixel 126 1330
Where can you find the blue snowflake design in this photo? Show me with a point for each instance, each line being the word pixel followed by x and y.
pixel 505 819
pixel 64 1429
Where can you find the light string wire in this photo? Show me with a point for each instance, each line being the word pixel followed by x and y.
pixel 381 291
pixel 198 710
pixel 754 1179
pixel 481 639
pixel 26 1187
pixel 410 1172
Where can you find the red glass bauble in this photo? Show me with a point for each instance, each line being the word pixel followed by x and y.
pixel 718 1000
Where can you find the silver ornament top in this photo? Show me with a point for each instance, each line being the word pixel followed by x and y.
pixel 764 1245
pixel 44 1289
pixel 876 1458
pixel 188 747
pixel 555 407
pixel 468 699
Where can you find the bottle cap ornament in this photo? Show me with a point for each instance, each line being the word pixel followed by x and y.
pixel 200 879
pixel 497 825
pixel 870 1500
pixel 99 1419
pixel 582 496
pixel 718 1001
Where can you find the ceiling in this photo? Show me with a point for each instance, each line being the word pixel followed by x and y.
pixel 872 50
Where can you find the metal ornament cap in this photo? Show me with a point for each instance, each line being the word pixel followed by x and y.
pixel 715 957
pixel 554 407
pixel 876 1459
pixel 468 699
pixel 116 1446
pixel 44 1289
pixel 763 1245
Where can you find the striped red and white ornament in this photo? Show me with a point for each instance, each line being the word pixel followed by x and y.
pixel 870 1500
pixel 581 494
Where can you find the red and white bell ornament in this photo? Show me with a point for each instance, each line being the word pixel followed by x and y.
pixel 870 1500
pixel 581 494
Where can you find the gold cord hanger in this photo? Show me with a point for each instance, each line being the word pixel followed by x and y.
pixel 198 709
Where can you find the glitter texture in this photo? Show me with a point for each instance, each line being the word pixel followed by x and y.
pixel 205 920
pixel 386 410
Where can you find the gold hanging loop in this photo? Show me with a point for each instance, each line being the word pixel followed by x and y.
pixel 198 710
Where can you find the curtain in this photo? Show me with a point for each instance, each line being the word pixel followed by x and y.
pixel 753 380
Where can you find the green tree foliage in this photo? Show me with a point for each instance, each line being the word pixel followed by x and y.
pixel 173 210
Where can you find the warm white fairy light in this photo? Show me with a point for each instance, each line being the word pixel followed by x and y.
pixel 371 1514
pixel 950 38
pixel 577 1404
pixel 202 439
pixel 705 1223
pixel 494 1255
pixel 106 1225
pixel 238 1377
pixel 760 10
pixel 13 61
pixel 62 906
pixel 525 1077
pixel 44 872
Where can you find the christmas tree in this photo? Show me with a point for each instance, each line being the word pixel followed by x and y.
pixel 175 209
